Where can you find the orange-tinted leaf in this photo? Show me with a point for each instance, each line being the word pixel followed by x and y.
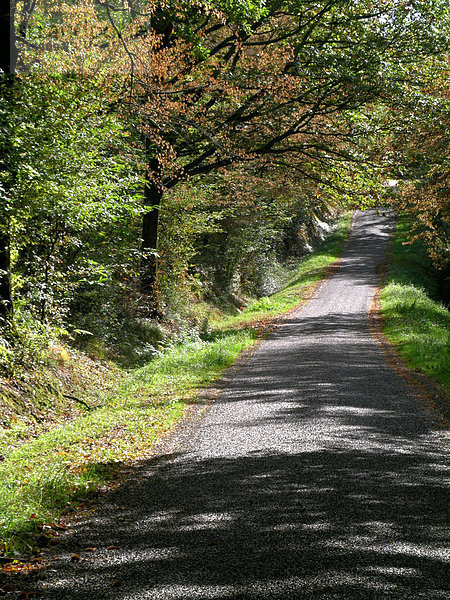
pixel 75 558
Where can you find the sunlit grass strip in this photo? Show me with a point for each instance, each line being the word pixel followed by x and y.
pixel 44 477
pixel 413 319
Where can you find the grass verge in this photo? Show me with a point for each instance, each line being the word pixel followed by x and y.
pixel 413 318
pixel 47 476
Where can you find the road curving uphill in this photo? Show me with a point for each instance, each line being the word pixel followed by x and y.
pixel 315 474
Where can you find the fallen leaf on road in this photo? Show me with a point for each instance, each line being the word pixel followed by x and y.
pixel 75 558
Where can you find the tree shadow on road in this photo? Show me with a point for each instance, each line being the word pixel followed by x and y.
pixel 337 373
pixel 347 524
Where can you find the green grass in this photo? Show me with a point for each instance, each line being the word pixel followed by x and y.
pixel 46 476
pixel 414 319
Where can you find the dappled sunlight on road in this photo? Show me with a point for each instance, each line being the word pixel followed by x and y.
pixel 313 524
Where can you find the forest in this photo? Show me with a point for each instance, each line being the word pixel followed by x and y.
pixel 166 162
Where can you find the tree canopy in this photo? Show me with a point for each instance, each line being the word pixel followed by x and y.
pixel 141 132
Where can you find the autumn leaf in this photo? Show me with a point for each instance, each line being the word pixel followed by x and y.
pixel 75 558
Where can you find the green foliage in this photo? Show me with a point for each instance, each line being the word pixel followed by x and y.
pixel 74 194
pixel 264 222
pixel 188 215
pixel 23 345
pixel 302 275
pixel 292 127
pixel 73 214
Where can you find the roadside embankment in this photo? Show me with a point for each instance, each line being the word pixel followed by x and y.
pixel 414 319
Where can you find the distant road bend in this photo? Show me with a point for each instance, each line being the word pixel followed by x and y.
pixel 316 474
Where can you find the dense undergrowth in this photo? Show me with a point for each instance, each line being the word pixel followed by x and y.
pixel 415 320
pixel 48 470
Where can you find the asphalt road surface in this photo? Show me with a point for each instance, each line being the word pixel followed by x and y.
pixel 316 474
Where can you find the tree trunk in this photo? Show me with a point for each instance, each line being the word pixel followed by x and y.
pixel 152 198
pixel 8 59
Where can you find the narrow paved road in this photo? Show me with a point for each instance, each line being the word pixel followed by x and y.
pixel 315 475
